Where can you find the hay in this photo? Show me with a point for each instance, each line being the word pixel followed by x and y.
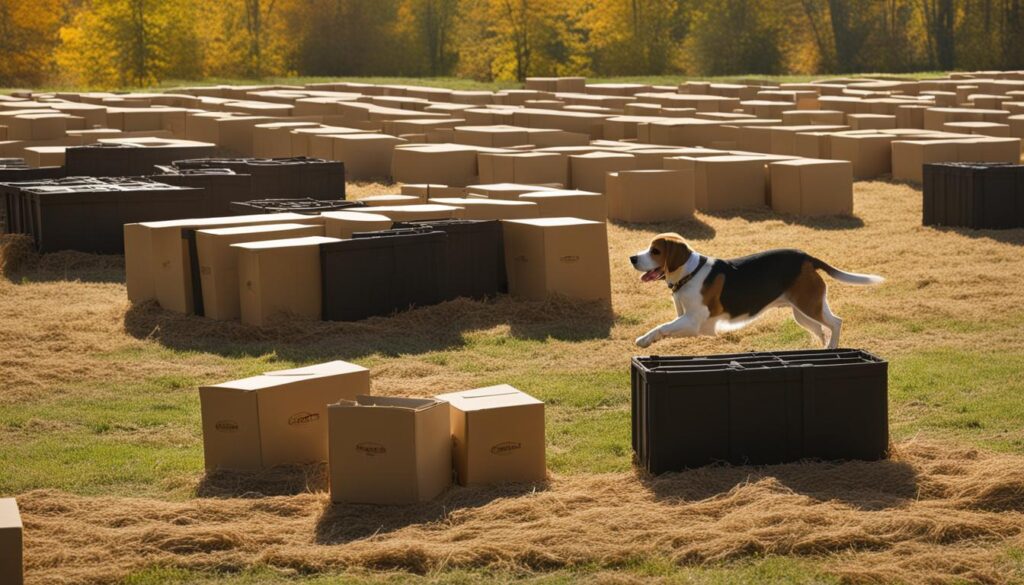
pixel 933 513
pixel 16 253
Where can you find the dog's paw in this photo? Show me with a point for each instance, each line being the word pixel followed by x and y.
pixel 644 341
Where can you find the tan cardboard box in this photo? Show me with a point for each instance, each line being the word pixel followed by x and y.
pixel 491 136
pixel 809 187
pixel 986 149
pixel 910 116
pixel 11 543
pixel 812 144
pixel 870 121
pixel 391 200
pixel 505 190
pixel 280 277
pixel 588 171
pixel 563 255
pixel 386 450
pixel 871 154
pixel 806 117
pixel 723 182
pixel 342 224
pixel 527 167
pixel 366 155
pixel 427 190
pixel 44 156
pixel 910 156
pixel 277 418
pixel 218 261
pixel 129 119
pixel 37 126
pixel 274 140
pixel 783 138
pixel 497 436
pixel 234 134
pixel 980 128
pixel 649 196
pixel 301 138
pixel 156 257
pixel 424 212
pixel 486 209
pixel 447 164
pixel 569 203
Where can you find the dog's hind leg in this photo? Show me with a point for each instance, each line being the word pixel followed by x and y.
pixel 812 326
pixel 834 323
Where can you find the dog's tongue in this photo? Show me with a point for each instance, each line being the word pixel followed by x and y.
pixel 651 275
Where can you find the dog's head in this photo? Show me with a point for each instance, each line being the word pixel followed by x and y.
pixel 666 254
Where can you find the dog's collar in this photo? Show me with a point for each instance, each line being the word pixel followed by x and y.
pixel 693 264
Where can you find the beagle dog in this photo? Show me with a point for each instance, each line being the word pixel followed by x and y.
pixel 714 296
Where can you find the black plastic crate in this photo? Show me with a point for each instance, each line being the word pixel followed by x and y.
pixel 14 172
pixel 973 195
pixel 476 256
pixel 124 160
pixel 379 275
pixel 282 177
pixel 221 187
pixel 304 205
pixel 88 214
pixel 758 408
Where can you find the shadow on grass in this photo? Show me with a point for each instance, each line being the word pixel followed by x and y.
pixel 420 330
pixel 1013 236
pixel 342 523
pixel 278 481
pixel 692 229
pixel 865 485
pixel 825 222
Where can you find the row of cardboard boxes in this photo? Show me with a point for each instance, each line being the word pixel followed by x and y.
pixel 379 449
pixel 349 265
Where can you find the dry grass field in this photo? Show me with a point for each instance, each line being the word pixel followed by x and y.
pixel 100 440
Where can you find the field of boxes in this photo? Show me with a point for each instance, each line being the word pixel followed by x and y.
pixel 397 323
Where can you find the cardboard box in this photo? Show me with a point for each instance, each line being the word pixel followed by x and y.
pixel 807 117
pixel 871 154
pixel 366 155
pixel 910 156
pixel 569 203
pixel 157 259
pixel 387 450
pixel 427 190
pixel 527 167
pixel 812 144
pixel 390 200
pixel 491 136
pixel 425 212
pixel 342 224
pixel 648 196
pixel 485 209
pixel 588 171
pixel 809 187
pixel 280 277
pixel 783 138
pixel 11 543
pixel 277 418
pixel 979 128
pixel 504 190
pixel 218 261
pixel 274 140
pixel 37 126
pixel 562 255
pixel 723 182
pixel 870 121
pixel 497 436
pixel 447 164
pixel 301 138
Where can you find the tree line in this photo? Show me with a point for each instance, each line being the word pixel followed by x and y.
pixel 139 42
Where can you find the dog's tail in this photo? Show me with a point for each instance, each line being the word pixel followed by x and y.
pixel 847 277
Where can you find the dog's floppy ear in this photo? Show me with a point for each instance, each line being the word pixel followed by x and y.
pixel 675 251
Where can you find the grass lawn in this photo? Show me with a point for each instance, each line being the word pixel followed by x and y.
pixel 100 436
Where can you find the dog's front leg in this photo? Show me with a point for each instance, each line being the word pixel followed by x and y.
pixel 685 326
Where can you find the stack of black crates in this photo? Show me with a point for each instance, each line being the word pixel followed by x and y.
pixel 974 195
pixel 281 177
pixel 413 264
pixel 305 205
pixel 14 170
pixel 759 408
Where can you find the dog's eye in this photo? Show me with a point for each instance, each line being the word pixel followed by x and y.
pixel 655 252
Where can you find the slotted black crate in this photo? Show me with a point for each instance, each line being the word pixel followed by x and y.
pixel 973 195
pixel 125 160
pixel 304 205
pixel 221 187
pixel 282 177
pixel 382 274
pixel 758 408
pixel 476 256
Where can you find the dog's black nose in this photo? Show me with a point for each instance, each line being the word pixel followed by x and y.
pixel 633 260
